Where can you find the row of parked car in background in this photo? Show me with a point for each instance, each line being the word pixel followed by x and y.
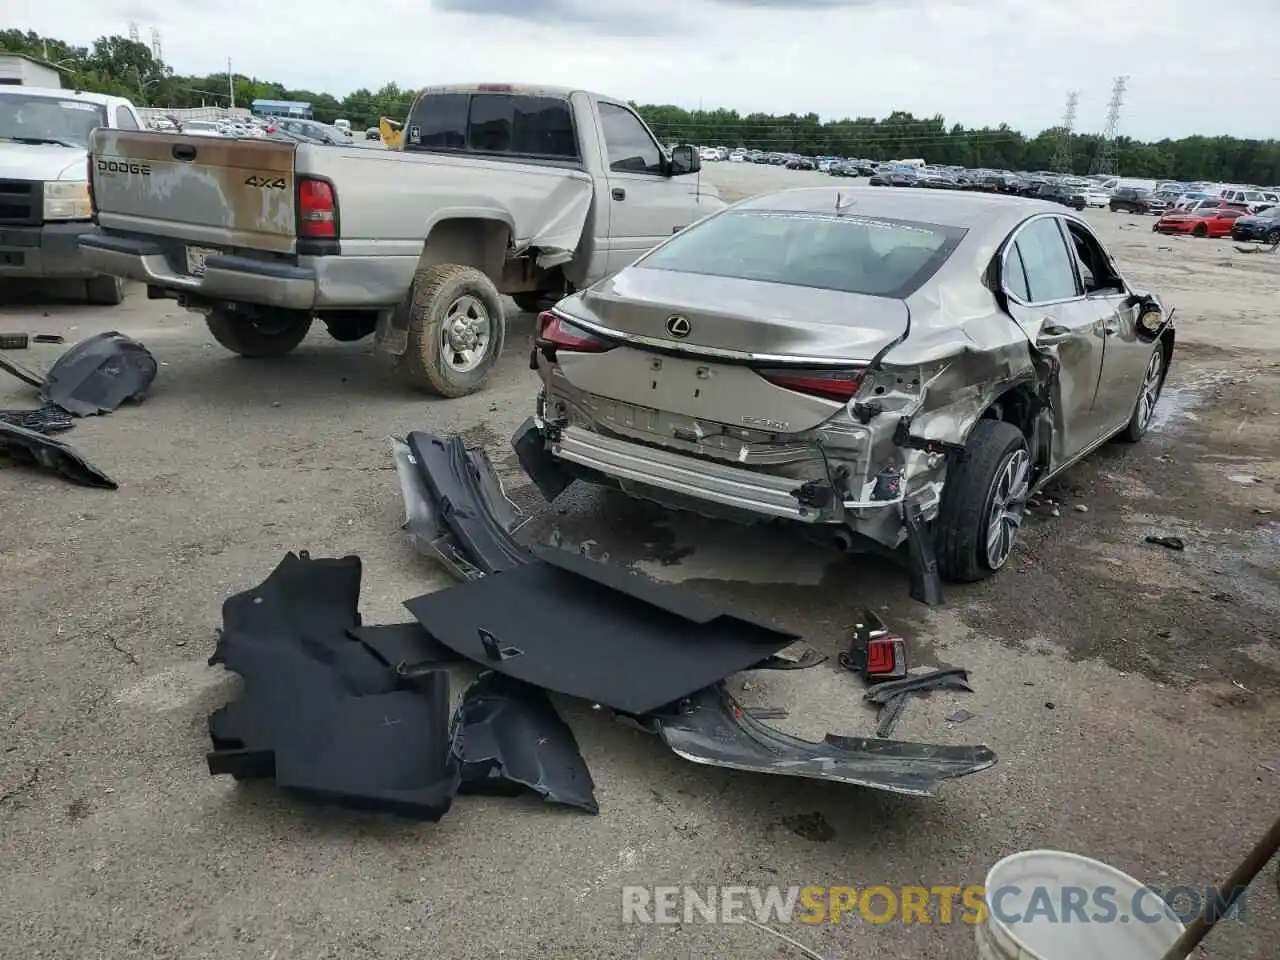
pixel 1199 209
pixel 299 129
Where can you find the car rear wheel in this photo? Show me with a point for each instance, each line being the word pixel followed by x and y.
pixel 456 330
pixel 983 503
pixel 262 337
pixel 104 291
pixel 1200 230
pixel 1145 407
pixel 1273 236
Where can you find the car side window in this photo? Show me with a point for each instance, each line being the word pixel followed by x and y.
pixel 1050 266
pixel 1095 267
pixel 1015 275
pixel 630 147
pixel 124 119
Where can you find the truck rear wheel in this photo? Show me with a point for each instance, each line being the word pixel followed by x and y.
pixel 271 335
pixel 104 291
pixel 456 330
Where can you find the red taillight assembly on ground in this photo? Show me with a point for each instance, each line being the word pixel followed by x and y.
pixel 555 331
pixel 317 209
pixel 875 652
pixel 829 384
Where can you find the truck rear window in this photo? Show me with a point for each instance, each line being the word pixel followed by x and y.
pixel 493 123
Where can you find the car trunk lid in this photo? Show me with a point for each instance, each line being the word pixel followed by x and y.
pixel 219 193
pixel 745 319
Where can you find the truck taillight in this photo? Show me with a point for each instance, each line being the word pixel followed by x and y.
pixel 317 209
pixel 838 385
pixel 555 331
pixel 88 179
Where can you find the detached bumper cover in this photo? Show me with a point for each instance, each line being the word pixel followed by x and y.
pixel 712 728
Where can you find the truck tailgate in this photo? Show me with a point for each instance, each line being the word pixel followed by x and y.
pixel 222 193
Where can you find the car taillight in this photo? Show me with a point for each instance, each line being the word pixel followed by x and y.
pixel 828 384
pixel 555 331
pixel 317 209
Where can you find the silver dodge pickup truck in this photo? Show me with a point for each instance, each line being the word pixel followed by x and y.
pixel 497 189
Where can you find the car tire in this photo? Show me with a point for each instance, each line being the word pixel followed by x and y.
pixel 989 483
pixel 456 330
pixel 258 338
pixel 104 291
pixel 1144 407
pixel 1273 236
pixel 1200 230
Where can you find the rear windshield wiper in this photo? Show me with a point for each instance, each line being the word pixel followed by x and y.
pixel 36 141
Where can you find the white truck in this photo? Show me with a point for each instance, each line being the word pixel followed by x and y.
pixel 527 191
pixel 44 188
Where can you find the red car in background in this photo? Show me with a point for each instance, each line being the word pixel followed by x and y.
pixel 1208 222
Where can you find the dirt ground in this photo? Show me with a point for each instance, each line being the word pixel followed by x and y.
pixel 1131 692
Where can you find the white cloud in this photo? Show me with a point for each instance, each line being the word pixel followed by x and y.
pixel 973 62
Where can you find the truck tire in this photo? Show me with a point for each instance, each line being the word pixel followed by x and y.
pixel 104 291
pixel 258 337
pixel 991 479
pixel 456 330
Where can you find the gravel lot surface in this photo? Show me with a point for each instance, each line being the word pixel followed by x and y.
pixel 1132 693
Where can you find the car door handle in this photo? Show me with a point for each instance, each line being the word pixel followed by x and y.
pixel 619 193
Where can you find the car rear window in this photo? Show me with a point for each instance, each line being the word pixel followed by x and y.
pixel 493 123
pixel 872 256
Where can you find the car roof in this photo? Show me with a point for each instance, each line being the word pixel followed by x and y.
pixel 60 94
pixel 989 216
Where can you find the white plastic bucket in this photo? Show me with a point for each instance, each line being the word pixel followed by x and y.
pixel 1045 883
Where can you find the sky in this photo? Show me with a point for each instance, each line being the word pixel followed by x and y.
pixel 1192 68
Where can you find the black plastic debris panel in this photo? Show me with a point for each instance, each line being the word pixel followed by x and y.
pixel 509 739
pixel 578 627
pixel 35 448
pixel 321 712
pixel 455 506
pixel 98 374
pixel 712 728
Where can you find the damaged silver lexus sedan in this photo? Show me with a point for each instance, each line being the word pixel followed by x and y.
pixel 885 367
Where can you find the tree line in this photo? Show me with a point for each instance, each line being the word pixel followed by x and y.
pixel 125 67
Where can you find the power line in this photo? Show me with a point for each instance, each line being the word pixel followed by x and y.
pixel 1105 159
pixel 1062 154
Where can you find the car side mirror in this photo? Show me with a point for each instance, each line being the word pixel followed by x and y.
pixel 684 159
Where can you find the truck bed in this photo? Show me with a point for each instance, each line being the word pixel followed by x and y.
pixel 241 194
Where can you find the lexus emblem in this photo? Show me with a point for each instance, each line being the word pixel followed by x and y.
pixel 679 326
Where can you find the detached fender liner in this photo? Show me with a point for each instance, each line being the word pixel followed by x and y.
pixel 712 728
pixel 508 739
pixel 51 454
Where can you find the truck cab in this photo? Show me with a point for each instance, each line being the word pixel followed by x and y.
pixel 45 206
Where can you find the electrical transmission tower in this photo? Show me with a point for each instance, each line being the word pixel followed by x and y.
pixel 1105 161
pixel 1062 155
pixel 156 51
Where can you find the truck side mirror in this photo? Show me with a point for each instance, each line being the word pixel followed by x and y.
pixel 684 159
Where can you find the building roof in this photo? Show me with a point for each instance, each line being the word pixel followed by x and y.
pixel 281 103
pixel 6 55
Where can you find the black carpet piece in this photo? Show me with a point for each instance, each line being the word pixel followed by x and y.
pixel 582 628
pixel 321 712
